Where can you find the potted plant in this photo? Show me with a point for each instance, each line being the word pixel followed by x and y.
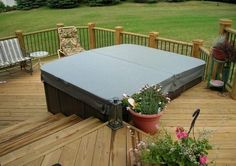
pixel 146 107
pixel 223 50
pixel 184 150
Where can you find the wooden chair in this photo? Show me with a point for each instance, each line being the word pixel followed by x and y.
pixel 69 43
pixel 12 54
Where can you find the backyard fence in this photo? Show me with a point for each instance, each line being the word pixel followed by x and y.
pixel 92 37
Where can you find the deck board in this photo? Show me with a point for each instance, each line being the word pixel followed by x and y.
pixel 22 98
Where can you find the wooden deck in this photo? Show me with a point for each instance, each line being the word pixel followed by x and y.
pixel 22 98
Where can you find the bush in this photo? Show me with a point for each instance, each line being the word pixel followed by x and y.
pixel 102 2
pixel 62 3
pixel 2 7
pixel 176 0
pixel 29 4
pixel 227 1
pixel 146 1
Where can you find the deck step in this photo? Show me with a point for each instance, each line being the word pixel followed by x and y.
pixel 26 126
pixel 36 133
pixel 45 140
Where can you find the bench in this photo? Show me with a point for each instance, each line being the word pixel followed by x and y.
pixel 11 54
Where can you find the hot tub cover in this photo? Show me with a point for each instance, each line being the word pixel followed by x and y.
pixel 98 76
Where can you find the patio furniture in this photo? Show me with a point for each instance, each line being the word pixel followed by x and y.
pixel 69 43
pixel 87 84
pixel 11 54
pixel 38 55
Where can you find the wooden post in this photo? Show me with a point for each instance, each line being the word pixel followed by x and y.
pixel 91 35
pixel 118 37
pixel 196 47
pixel 152 39
pixel 224 23
pixel 233 91
pixel 20 36
pixel 60 25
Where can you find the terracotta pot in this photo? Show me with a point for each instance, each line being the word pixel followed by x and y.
pixel 147 123
pixel 218 54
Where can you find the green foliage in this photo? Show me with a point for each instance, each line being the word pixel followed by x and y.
pixel 227 1
pixel 146 1
pixel 176 0
pixel 150 100
pixel 2 6
pixel 162 149
pixel 102 2
pixel 63 4
pixel 29 4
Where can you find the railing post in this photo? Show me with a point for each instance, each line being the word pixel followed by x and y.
pixel 233 91
pixel 118 36
pixel 91 35
pixel 60 25
pixel 224 23
pixel 152 39
pixel 20 36
pixel 196 47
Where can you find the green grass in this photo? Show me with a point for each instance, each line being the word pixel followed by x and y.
pixel 182 21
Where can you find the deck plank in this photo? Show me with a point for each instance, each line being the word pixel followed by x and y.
pixel 86 149
pixel 22 97
pixel 102 147
pixel 69 153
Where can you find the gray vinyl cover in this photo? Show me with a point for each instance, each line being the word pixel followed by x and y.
pixel 97 76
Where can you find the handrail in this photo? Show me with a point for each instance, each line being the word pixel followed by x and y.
pixel 134 34
pixel 174 41
pixel 104 29
pixel 8 37
pixel 205 50
pixel 41 31
pixel 231 30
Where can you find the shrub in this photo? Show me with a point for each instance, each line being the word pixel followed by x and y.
pixel 62 3
pixel 146 1
pixel 29 4
pixel 176 0
pixel 2 7
pixel 102 2
pixel 227 1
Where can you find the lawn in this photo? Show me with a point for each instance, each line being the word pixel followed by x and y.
pixel 182 21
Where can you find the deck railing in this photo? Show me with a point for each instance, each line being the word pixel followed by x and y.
pixel 83 35
pixel 205 55
pixel 104 37
pixel 179 47
pixel 94 37
pixel 133 38
pixel 42 40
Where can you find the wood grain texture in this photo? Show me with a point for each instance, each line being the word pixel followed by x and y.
pixel 22 98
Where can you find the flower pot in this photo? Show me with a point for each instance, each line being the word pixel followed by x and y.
pixel 218 54
pixel 147 123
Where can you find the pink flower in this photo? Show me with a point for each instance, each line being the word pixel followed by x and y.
pixel 203 159
pixel 180 133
